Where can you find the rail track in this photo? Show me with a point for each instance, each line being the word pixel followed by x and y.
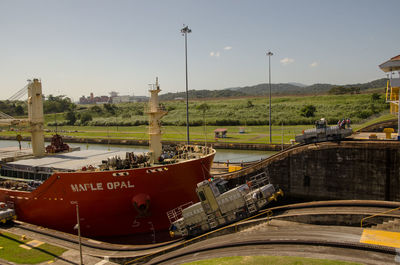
pixel 130 254
pixel 275 242
pixel 313 207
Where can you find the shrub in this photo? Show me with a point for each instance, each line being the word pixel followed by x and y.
pixel 308 111
pixel 85 118
pixel 70 117
pixel 364 114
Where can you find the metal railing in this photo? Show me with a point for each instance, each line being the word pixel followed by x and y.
pixel 377 214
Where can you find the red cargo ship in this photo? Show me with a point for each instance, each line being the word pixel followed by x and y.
pixel 116 196
pixel 111 202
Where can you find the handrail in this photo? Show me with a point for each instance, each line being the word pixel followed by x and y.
pixel 377 214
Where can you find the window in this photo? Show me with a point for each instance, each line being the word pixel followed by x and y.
pixel 306 181
pixel 202 196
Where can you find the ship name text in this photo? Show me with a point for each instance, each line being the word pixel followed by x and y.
pixel 116 185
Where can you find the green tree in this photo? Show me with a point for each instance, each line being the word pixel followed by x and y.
pixel 19 110
pixel 375 97
pixel 308 111
pixel 85 118
pixel 70 117
pixel 55 104
pixel 96 109
pixel 110 108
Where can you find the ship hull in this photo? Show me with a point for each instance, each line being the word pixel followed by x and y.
pixel 111 203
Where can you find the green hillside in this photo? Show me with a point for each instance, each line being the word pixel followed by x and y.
pixel 276 89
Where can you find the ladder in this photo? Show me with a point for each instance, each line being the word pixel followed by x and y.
pixel 251 207
pixel 212 221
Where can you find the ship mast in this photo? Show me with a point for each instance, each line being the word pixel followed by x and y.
pixel 156 112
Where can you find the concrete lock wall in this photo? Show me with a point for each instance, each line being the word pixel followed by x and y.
pixel 346 170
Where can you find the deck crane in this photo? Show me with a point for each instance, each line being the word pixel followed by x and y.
pixel 35 115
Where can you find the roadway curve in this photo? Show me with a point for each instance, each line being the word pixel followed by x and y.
pixel 257 237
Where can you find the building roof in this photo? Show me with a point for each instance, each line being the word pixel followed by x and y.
pixel 391 65
pixel 221 130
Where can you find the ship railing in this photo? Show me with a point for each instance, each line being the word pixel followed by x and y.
pixel 160 108
pixel 258 180
pixel 176 213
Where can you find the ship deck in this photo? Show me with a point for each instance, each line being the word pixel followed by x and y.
pixel 8 154
pixel 68 161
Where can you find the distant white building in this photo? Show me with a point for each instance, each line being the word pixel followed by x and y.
pixel 121 99
pixel 126 98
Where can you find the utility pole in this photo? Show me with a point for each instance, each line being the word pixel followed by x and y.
pixel 269 54
pixel 78 226
pixel 79 233
pixel 185 30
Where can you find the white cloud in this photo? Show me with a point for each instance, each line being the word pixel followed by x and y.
pixel 215 54
pixel 314 64
pixel 287 60
pixel 227 48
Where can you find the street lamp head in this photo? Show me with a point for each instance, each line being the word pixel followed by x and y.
pixel 269 53
pixel 185 30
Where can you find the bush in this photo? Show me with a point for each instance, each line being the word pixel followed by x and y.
pixel 96 109
pixel 364 114
pixel 85 118
pixel 375 96
pixel 70 117
pixel 308 111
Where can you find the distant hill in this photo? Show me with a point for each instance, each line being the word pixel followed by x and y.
pixel 276 89
pixel 297 84
pixel 198 94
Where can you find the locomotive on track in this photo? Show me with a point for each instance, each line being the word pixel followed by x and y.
pixel 322 132
pixel 219 206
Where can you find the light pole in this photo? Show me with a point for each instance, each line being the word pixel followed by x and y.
pixel 78 226
pixel 269 54
pixel 185 30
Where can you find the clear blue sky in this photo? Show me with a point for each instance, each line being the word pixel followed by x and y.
pixel 78 47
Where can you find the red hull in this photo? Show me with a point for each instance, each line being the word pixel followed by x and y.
pixel 106 198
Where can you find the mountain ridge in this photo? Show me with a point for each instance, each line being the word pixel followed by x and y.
pixel 276 89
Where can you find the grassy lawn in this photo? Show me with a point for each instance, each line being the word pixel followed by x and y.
pixel 11 250
pixel 248 113
pixel 273 260
pixel 253 134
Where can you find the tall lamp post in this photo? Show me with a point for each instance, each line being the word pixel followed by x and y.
pixel 78 227
pixel 269 54
pixel 185 30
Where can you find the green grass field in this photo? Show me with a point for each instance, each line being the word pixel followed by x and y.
pixel 232 114
pixel 272 260
pixel 240 111
pixel 11 250
pixel 253 134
